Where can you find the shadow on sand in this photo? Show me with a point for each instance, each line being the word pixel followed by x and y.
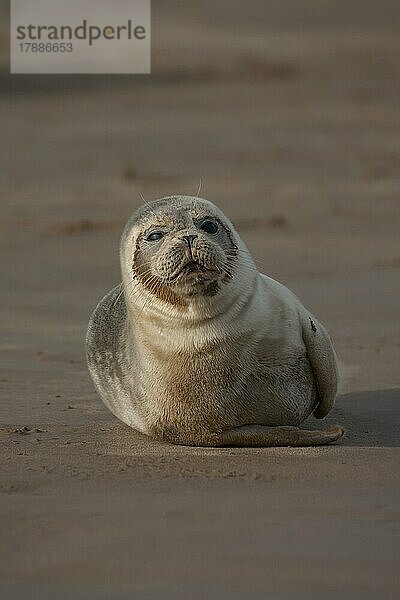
pixel 370 418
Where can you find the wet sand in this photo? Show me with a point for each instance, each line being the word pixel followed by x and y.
pixel 293 127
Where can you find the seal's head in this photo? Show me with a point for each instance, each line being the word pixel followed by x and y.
pixel 179 248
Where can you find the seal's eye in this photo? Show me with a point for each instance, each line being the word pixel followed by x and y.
pixel 154 236
pixel 209 226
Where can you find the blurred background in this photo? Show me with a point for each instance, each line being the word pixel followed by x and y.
pixel 286 110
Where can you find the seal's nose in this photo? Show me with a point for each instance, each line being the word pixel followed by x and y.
pixel 188 239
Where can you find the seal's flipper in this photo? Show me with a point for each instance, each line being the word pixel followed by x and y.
pixel 323 362
pixel 263 436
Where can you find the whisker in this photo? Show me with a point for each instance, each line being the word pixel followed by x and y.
pixel 146 203
pixel 199 188
pixel 121 286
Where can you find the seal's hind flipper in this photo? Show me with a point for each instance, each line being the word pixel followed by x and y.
pixel 263 436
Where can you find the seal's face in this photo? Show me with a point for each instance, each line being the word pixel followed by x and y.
pixel 183 248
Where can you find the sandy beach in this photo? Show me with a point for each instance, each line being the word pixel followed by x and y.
pixel 290 116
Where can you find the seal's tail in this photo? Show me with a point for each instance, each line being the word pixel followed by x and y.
pixel 263 436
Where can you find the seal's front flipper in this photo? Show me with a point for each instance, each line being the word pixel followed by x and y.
pixel 323 361
pixel 263 436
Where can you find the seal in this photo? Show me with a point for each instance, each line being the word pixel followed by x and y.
pixel 196 347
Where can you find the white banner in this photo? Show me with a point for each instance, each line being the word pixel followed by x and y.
pixel 80 36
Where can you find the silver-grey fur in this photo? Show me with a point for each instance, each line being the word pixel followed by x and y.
pixel 220 356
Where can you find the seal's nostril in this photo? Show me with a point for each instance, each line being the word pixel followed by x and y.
pixel 188 239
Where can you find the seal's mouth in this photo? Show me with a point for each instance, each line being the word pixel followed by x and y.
pixel 194 269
